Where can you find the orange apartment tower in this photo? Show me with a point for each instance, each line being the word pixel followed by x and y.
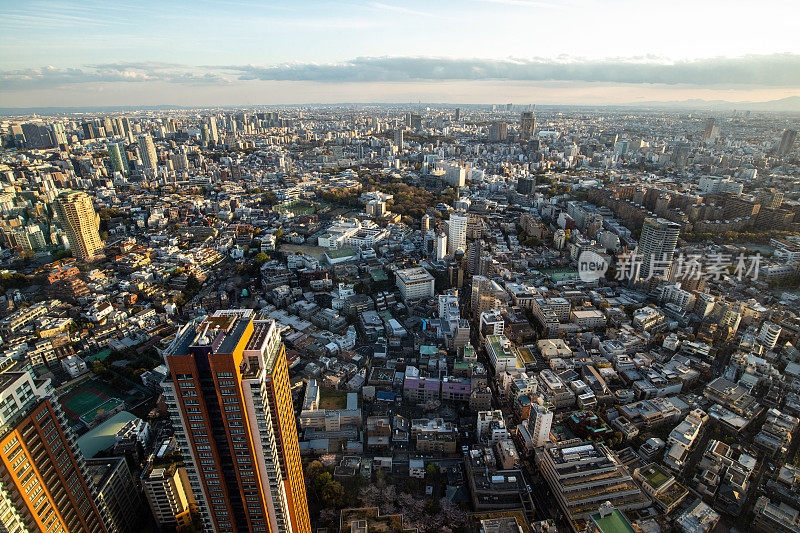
pixel 231 407
pixel 44 482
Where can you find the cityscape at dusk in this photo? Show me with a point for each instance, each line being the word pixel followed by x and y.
pixel 475 266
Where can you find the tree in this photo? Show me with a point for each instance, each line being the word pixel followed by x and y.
pixel 269 198
pixel 192 285
pixel 333 494
pixel 430 471
pixel 100 369
pixel 314 469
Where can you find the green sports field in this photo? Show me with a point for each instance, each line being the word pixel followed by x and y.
pixel 90 398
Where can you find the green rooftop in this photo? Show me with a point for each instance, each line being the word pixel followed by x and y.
pixel 342 252
pixel 613 522
pixel 526 354
pixel 654 476
pixel 332 399
pixel 103 436
pixel 561 274
pixel 377 274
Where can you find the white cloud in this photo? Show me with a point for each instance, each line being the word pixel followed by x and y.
pixel 140 72
pixel 776 70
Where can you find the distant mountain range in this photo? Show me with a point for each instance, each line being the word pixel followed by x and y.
pixel 790 104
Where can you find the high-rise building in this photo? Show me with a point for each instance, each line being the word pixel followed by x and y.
pixel 17 134
pixel 37 136
pixel 770 198
pixel 231 406
pixel 787 142
pixel 441 246
pixel 455 175
pixel 116 491
pixel 540 421
pixel 89 131
pixel 108 126
pixel 426 222
pixel 398 139
pixel 169 495
pixel 769 334
pixel 456 234
pixel 457 117
pixel 526 185
pixel 119 129
pixel 119 159
pixel 484 295
pixel 59 134
pixel 527 125
pixel 498 131
pixel 147 151
pixel 473 257
pixel 180 161
pixel 212 130
pixel 711 131
pixel 80 222
pixel 657 246
pixel 680 156
pixel 43 477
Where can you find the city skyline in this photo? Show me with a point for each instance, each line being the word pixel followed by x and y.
pixel 432 318
pixel 475 266
pixel 249 53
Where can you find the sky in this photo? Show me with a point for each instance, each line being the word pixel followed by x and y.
pixel 245 52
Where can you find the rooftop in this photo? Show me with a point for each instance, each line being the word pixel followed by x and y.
pixel 104 435
pixel 613 522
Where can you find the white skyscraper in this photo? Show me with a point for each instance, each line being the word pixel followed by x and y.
pixel 457 234
pixel 441 246
pixel 540 421
pixel 147 151
pixel 455 175
pixel 768 336
pixel 657 246
pixel 212 130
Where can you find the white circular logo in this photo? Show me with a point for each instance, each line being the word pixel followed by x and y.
pixel 591 266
